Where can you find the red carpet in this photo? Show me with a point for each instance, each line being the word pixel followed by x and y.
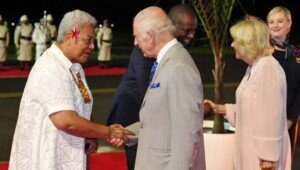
pixel 14 72
pixel 108 161
pixel 3 165
pixel 98 161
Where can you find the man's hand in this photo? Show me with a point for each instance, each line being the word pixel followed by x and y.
pixel 289 124
pixel 91 146
pixel 118 135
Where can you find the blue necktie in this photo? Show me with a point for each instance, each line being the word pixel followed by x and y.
pixel 153 71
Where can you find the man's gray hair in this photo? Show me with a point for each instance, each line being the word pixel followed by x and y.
pixel 150 21
pixel 71 20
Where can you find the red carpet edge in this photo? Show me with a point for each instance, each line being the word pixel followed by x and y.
pixel 15 72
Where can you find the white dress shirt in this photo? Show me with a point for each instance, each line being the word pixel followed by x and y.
pixel 50 88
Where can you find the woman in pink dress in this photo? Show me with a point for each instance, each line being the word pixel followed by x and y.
pixel 259 115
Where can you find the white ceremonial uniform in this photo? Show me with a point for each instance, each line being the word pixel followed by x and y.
pixel 37 143
pixel 40 37
pixel 53 31
pixel 4 42
pixel 23 41
pixel 104 43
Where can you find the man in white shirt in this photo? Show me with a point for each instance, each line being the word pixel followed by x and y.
pixel 54 130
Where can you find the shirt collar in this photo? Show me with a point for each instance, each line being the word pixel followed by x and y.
pixel 165 48
pixel 67 64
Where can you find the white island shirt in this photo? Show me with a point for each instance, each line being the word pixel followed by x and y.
pixel 50 88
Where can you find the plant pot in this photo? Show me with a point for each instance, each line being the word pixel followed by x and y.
pixel 218 147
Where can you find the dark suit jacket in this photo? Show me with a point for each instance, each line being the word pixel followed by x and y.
pixel 292 72
pixel 130 93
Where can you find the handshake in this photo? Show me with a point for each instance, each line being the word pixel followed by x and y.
pixel 118 135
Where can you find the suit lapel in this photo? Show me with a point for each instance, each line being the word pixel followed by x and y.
pixel 165 59
pixel 161 64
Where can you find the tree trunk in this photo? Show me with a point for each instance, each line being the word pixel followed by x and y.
pixel 218 78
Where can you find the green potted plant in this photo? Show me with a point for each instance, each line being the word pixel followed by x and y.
pixel 214 16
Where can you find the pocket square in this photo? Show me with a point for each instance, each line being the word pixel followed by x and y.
pixel 154 85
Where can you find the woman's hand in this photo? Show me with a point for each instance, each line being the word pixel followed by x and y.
pixel 214 108
pixel 289 124
pixel 208 105
pixel 208 108
pixel 267 165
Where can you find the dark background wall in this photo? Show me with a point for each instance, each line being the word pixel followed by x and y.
pixel 121 12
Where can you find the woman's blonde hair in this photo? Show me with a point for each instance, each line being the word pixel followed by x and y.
pixel 278 9
pixel 251 38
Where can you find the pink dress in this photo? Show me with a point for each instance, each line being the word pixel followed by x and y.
pixel 259 116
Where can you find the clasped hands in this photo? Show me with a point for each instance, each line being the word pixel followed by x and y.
pixel 118 135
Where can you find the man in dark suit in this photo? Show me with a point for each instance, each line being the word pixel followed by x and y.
pixel 129 96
